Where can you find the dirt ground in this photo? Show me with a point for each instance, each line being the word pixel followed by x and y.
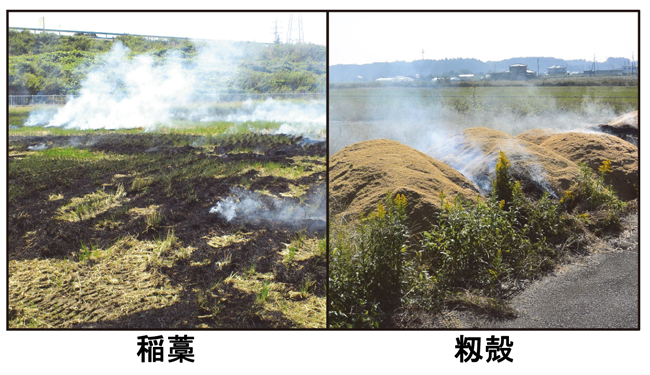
pixel 113 230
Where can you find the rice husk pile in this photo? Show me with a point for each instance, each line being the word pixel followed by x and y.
pixel 536 136
pixel 592 149
pixel 474 153
pixel 362 173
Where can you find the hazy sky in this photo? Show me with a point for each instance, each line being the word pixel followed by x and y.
pixel 256 27
pixel 360 38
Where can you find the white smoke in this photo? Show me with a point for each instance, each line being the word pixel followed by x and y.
pixel 250 206
pixel 121 92
pixel 298 118
pixel 471 161
pixel 39 147
pixel 128 93
pixel 415 120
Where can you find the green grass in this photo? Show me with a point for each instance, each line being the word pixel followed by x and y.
pixel 88 252
pixel 72 153
pixel 264 293
pixel 18 115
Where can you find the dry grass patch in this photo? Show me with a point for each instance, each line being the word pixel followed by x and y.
pixel 121 280
pixel 140 183
pixel 301 248
pixel 55 197
pixel 151 215
pixel 295 191
pixel 276 298
pixel 228 239
pixel 91 205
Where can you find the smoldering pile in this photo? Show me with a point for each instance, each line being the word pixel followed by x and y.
pixel 592 148
pixel 245 206
pixel 474 153
pixel 625 127
pixel 543 160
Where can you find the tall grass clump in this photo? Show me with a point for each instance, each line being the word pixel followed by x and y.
pixel 366 266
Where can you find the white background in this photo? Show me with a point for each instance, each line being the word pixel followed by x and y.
pixel 306 352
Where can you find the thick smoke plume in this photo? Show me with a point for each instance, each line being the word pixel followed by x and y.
pixel 121 92
pixel 248 206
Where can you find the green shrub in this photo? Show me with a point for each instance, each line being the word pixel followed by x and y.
pixel 481 244
pixel 367 265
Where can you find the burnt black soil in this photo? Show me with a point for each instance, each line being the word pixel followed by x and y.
pixel 183 202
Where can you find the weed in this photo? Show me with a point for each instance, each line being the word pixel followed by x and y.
pixel 591 192
pixel 481 245
pixel 162 245
pixel 251 269
pixel 291 253
pixel 322 248
pixel 245 182
pixel 192 196
pixel 88 252
pixel 201 300
pixel 307 285
pixel 264 293
pixel 140 184
pixel 366 266
pixel 153 219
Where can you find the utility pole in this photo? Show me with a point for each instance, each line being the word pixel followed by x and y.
pixel 288 41
pixel 301 35
pixel 593 66
pixel 276 34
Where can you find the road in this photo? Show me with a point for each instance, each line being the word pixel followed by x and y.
pixel 601 291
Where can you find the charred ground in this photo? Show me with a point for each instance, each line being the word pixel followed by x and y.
pixel 113 230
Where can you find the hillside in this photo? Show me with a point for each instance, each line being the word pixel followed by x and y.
pixel 450 67
pixel 51 64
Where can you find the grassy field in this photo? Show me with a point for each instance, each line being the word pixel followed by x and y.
pixel 112 229
pixel 378 103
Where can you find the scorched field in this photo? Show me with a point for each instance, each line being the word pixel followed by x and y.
pixel 205 225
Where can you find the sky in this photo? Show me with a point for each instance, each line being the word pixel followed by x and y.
pixel 361 38
pixel 253 27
